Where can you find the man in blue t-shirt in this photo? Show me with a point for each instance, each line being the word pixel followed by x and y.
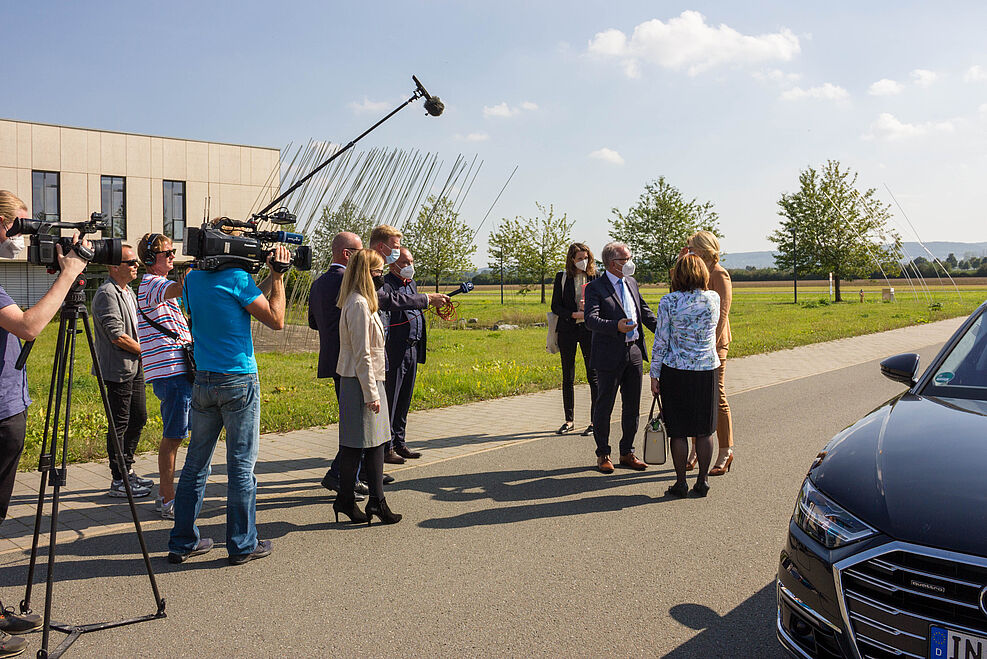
pixel 226 394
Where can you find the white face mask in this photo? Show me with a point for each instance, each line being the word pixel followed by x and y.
pixel 11 247
pixel 407 272
pixel 393 256
pixel 628 269
pixel 582 265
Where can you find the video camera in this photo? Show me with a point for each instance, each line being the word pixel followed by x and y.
pixel 241 245
pixel 41 250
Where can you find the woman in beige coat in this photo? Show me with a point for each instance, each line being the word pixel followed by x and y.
pixel 363 416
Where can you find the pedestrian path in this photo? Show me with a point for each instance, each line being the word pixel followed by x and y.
pixel 296 461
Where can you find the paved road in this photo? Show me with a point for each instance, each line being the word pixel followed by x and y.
pixel 514 547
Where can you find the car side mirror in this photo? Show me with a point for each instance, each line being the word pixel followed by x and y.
pixel 901 368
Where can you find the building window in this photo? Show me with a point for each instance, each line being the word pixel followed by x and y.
pixel 113 190
pixel 174 210
pixel 44 196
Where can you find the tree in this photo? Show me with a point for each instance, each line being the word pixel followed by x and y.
pixel 347 217
pixel 504 247
pixel 658 226
pixel 441 242
pixel 951 260
pixel 837 228
pixel 531 248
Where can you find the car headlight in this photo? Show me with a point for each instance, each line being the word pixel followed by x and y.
pixel 825 521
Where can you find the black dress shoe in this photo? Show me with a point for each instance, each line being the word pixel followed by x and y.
pixel 388 479
pixel 404 452
pixel 588 431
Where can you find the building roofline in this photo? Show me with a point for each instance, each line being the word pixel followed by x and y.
pixel 120 132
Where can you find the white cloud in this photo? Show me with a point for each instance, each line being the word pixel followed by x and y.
pixel 885 87
pixel 473 137
pixel 982 109
pixel 923 77
pixel 688 42
pixel 889 128
pixel 607 155
pixel 776 76
pixel 369 106
pixel 505 110
pixel 975 73
pixel 826 91
pixel 529 106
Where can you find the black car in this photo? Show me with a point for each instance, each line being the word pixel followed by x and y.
pixel 887 548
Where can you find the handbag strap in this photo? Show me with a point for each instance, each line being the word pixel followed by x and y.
pixel 654 401
pixel 161 328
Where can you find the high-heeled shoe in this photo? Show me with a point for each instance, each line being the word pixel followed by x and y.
pixel 380 508
pixel 719 471
pixel 347 506
pixel 680 490
pixel 700 489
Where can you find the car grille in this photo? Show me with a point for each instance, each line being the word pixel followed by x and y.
pixel 892 599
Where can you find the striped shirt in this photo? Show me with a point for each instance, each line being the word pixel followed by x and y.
pixel 161 356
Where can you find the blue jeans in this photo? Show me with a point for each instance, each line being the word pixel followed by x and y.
pixel 230 401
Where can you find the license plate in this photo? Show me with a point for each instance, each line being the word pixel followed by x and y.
pixel 948 644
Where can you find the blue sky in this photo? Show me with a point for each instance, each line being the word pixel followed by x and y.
pixel 589 99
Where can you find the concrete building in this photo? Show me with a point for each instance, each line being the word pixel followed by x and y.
pixel 143 183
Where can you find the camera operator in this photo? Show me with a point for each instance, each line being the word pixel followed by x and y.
pixel 226 394
pixel 14 400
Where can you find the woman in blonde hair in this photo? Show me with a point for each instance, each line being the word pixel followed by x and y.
pixel 706 246
pixel 363 415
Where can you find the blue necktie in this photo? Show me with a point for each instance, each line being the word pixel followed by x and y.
pixel 628 303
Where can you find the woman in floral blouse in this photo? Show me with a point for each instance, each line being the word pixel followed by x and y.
pixel 684 362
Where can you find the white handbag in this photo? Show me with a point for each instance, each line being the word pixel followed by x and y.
pixel 655 437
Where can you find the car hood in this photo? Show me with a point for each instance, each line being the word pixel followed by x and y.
pixel 915 469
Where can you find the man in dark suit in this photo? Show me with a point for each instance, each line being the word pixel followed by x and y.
pixel 405 347
pixel 615 312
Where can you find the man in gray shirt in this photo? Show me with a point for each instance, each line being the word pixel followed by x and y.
pixel 115 322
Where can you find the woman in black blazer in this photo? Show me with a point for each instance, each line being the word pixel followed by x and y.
pixel 567 304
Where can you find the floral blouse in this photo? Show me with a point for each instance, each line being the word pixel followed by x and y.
pixel 686 336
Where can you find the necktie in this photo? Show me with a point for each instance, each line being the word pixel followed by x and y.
pixel 628 303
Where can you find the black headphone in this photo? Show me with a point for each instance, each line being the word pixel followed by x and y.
pixel 149 256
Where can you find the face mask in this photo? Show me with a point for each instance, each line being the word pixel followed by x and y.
pixel 628 269
pixel 11 247
pixel 394 256
pixel 378 281
pixel 582 265
pixel 407 272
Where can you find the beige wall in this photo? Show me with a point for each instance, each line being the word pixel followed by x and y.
pixel 236 179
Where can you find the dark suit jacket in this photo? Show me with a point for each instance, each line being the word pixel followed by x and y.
pixel 603 311
pixel 565 302
pixel 323 315
pixel 399 329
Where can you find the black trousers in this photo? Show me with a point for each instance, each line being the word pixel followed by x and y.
pixel 399 385
pixel 628 381
pixel 12 431
pixel 567 349
pixel 333 470
pixel 129 410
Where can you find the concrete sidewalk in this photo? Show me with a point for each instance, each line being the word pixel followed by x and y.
pixel 297 460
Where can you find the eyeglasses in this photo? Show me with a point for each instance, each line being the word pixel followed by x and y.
pixel 168 253
pixel 624 260
pixel 129 262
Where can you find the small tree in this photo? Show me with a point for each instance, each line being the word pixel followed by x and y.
pixel 546 238
pixel 504 247
pixel 441 242
pixel 658 226
pixel 347 217
pixel 837 229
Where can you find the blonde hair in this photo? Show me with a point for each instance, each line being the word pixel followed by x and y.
pixel 357 278
pixel 156 245
pixel 9 205
pixel 383 232
pixel 690 272
pixel 706 245
pixel 570 260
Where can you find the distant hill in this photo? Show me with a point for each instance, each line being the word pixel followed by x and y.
pixel 941 249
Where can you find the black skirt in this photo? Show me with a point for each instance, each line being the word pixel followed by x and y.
pixel 688 402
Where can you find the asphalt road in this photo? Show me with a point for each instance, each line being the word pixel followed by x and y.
pixel 523 551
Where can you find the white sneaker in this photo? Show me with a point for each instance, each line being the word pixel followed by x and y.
pixel 119 490
pixel 167 509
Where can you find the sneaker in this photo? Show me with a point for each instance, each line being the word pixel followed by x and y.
pixel 143 482
pixel 119 490
pixel 11 646
pixel 203 546
pixel 167 510
pixel 13 623
pixel 263 549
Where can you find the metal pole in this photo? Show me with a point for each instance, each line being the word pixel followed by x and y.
pixel 795 272
pixel 502 276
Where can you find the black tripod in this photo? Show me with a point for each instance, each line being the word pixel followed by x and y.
pixel 73 308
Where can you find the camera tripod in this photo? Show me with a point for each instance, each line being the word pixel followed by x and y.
pixel 54 476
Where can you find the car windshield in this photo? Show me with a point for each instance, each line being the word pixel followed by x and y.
pixel 963 374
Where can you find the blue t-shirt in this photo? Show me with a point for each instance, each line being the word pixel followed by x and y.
pixel 13 383
pixel 220 325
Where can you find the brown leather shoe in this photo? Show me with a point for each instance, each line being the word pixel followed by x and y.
pixel 604 465
pixel 630 460
pixel 405 452
pixel 393 458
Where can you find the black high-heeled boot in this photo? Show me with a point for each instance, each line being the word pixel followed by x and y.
pixel 347 506
pixel 379 507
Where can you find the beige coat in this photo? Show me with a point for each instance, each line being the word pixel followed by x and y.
pixel 719 281
pixel 361 346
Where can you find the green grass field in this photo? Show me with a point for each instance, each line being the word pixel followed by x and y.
pixel 468 363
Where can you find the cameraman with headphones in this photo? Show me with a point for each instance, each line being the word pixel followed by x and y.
pixel 226 395
pixel 14 399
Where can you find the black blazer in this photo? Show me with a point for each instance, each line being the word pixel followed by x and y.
pixel 399 329
pixel 565 302
pixel 323 315
pixel 603 311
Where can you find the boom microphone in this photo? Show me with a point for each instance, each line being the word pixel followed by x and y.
pixel 432 103
pixel 464 287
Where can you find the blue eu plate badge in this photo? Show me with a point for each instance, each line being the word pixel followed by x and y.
pixel 937 643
